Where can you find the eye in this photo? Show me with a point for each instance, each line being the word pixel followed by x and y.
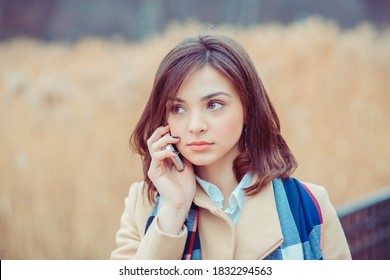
pixel 215 105
pixel 177 109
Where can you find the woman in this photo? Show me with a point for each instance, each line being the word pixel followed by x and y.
pixel 235 198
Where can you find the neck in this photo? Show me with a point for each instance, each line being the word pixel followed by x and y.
pixel 220 174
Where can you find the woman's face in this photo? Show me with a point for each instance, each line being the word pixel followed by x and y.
pixel 208 116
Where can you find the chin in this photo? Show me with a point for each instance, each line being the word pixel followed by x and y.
pixel 205 162
pixel 200 161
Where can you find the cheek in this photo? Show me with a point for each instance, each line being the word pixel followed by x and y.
pixel 175 127
pixel 235 127
pixel 231 127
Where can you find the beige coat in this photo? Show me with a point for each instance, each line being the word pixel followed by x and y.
pixel 256 234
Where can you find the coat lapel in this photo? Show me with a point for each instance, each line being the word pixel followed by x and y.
pixel 258 228
pixel 217 233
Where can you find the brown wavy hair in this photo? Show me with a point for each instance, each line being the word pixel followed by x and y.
pixel 263 149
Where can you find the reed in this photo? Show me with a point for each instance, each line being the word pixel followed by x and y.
pixel 67 110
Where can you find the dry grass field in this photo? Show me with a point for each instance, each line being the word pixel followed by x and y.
pixel 67 110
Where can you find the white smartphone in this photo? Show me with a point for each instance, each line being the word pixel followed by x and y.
pixel 176 159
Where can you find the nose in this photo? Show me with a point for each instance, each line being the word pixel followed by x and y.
pixel 197 123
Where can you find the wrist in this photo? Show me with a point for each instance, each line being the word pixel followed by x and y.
pixel 171 219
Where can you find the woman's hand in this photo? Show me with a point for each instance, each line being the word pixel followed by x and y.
pixel 176 188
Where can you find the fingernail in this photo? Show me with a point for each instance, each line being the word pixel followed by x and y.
pixel 176 137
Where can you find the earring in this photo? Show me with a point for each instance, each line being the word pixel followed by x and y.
pixel 245 137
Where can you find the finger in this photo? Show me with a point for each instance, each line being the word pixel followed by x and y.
pixel 164 154
pixel 159 159
pixel 157 134
pixel 164 141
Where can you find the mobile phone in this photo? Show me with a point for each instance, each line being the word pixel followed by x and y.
pixel 176 159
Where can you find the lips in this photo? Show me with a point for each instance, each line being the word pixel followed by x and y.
pixel 199 146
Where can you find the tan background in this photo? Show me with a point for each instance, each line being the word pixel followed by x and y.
pixel 67 110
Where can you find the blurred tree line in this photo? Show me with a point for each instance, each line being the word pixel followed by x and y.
pixel 71 20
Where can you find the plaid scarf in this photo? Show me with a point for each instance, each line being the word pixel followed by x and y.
pixel 300 219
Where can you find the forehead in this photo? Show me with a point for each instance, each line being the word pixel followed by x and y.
pixel 204 81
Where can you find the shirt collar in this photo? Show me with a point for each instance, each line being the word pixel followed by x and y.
pixel 237 196
pixel 212 191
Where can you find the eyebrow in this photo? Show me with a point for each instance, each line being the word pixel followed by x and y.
pixel 207 97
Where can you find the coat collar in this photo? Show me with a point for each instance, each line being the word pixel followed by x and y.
pixel 258 230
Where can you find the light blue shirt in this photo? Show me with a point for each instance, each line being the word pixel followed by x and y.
pixel 236 199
